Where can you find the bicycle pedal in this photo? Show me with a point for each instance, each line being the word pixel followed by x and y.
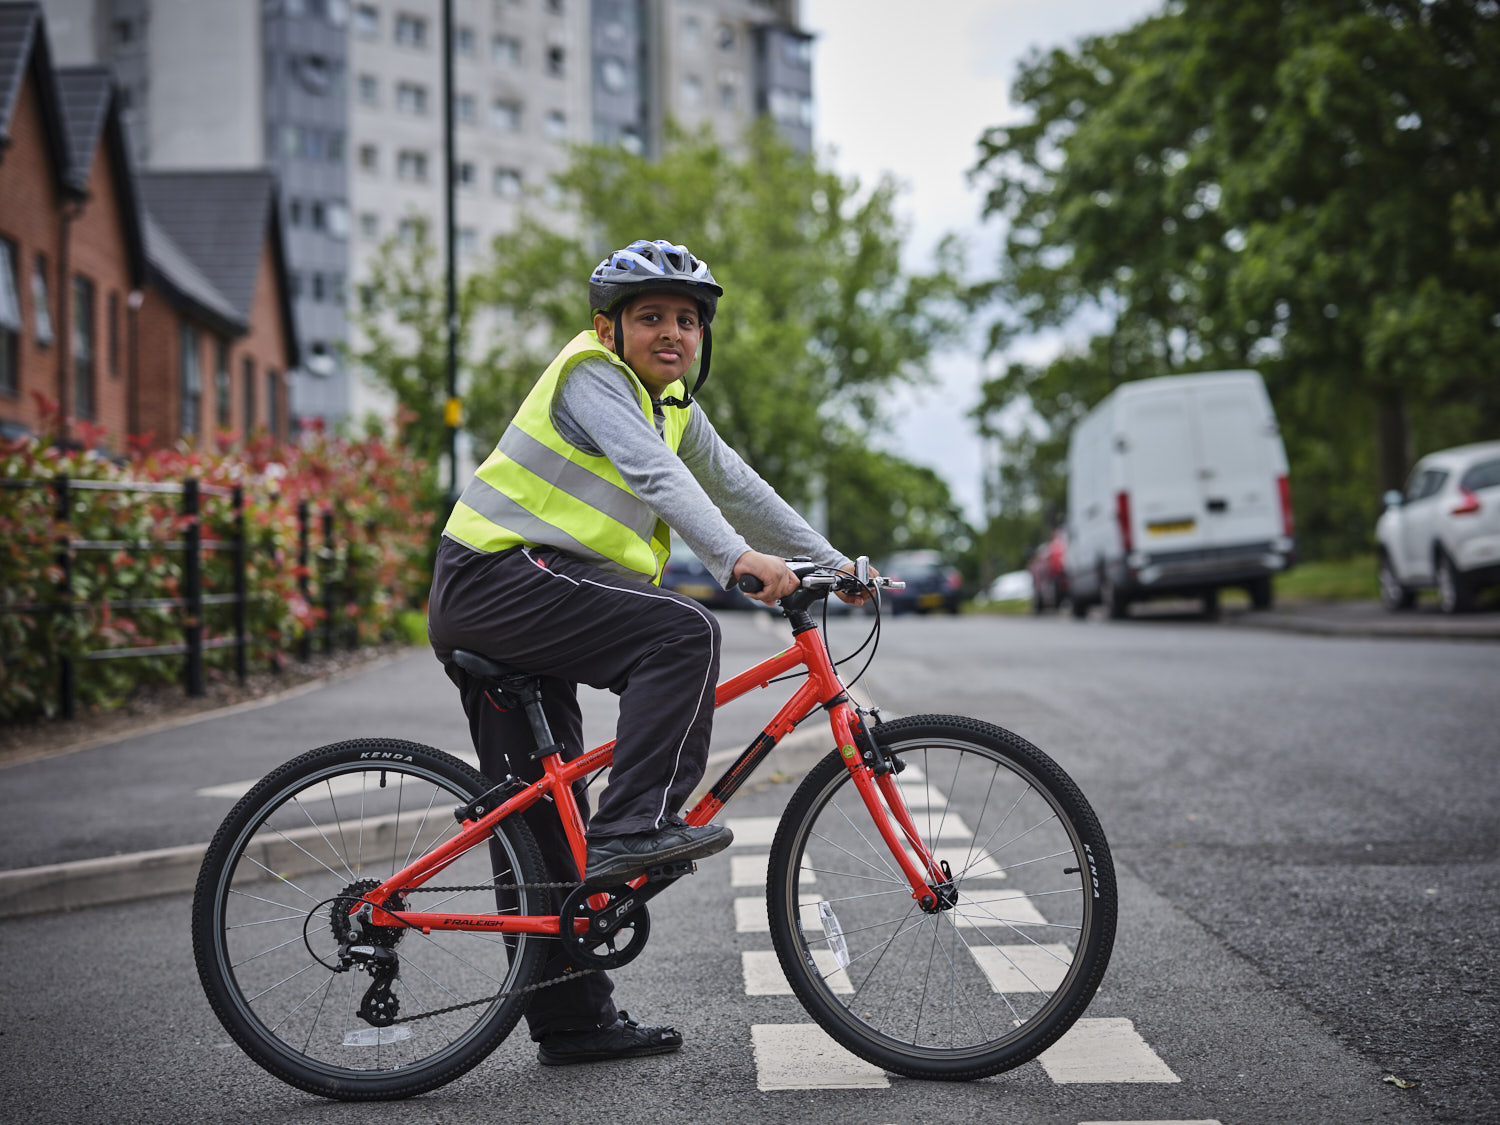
pixel 670 871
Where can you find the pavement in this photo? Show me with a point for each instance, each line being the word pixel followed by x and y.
pixel 131 818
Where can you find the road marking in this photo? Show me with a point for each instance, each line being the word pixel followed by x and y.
pixel 1104 1050
pixel 763 975
pixel 994 909
pixel 343 785
pixel 750 870
pixel 966 863
pixel 801 1056
pixel 948 826
pixel 753 831
pixel 1022 968
pixel 1174 1121
pixel 750 915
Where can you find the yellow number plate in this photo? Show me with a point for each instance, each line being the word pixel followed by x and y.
pixel 1171 527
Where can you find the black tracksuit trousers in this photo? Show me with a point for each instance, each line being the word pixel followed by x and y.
pixel 546 612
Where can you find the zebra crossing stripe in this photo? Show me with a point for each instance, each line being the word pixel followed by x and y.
pixel 763 975
pixel 753 831
pixel 750 915
pixel 801 1056
pixel 750 870
pixel 1194 1121
pixel 1104 1050
pixel 1022 968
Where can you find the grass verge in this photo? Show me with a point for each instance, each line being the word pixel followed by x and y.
pixel 413 624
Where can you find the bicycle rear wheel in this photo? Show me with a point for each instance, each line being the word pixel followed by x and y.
pixel 267 929
pixel 970 990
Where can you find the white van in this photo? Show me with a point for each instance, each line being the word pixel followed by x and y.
pixel 1178 486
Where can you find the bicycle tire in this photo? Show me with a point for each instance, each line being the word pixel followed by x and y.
pixel 261 907
pixel 993 981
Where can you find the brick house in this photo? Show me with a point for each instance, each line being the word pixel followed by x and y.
pixel 155 304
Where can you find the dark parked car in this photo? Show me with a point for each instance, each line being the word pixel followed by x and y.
pixel 930 583
pixel 1049 578
pixel 686 574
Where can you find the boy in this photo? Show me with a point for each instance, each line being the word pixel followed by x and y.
pixel 551 562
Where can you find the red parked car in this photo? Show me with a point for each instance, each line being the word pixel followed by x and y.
pixel 1049 579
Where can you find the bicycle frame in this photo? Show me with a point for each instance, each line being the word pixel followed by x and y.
pixel 821 688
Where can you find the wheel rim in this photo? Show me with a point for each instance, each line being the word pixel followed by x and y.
pixel 345 824
pixel 1390 589
pixel 957 984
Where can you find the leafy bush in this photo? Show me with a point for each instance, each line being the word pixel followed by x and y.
pixel 374 568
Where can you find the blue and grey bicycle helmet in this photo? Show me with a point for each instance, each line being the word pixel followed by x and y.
pixel 654 267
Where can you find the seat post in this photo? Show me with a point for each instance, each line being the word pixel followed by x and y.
pixel 528 690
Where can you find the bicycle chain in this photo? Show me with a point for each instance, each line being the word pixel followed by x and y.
pixel 513 992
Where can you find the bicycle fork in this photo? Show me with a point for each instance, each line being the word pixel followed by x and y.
pixel 874 778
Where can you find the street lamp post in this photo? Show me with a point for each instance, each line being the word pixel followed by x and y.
pixel 452 408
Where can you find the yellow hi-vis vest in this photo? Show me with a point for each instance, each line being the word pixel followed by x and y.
pixel 536 489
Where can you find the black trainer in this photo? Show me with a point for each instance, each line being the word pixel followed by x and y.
pixel 623 1039
pixel 616 859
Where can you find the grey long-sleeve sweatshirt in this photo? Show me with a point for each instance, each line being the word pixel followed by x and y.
pixel 707 494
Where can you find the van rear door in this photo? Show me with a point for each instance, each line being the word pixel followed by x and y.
pixel 1161 470
pixel 1237 471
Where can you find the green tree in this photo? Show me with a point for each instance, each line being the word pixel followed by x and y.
pixel 1311 188
pixel 818 321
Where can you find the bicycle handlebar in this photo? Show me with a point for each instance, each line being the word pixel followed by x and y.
pixel 814 576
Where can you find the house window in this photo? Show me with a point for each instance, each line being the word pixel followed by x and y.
pixel 463 40
pixel 221 388
pixel 369 89
pixel 317 286
pixel 273 404
pixel 366 21
pixel 556 62
pixel 728 95
pixel 506 116
pixel 338 219
pixel 692 91
pixel 411 166
pixel 190 379
pixel 247 388
pixel 465 109
pixel 10 321
pixel 112 326
pixel 409 231
pixel 466 175
pixel 317 216
pixel 556 124
pixel 726 37
pixel 369 158
pixel 294 212
pixel 555 7
pixel 505 50
pixel 507 183
pixel 468 241
pixel 411 97
pixel 411 31
pixel 369 224
pixel 83 347
pixel 41 302
pixel 294 284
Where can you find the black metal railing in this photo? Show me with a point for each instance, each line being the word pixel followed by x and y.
pixel 192 599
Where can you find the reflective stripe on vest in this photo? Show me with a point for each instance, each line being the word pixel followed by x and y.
pixel 536 489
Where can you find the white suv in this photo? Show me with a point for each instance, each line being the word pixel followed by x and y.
pixel 1444 530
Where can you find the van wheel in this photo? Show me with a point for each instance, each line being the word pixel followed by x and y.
pixel 1115 601
pixel 1211 603
pixel 1078 608
pixel 1454 594
pixel 1262 594
pixel 1393 595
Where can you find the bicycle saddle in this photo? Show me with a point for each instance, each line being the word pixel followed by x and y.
pixel 483 668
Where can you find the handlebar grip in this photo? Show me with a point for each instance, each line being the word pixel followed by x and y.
pixel 749 584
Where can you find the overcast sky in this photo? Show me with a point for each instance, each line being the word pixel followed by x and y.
pixel 908 88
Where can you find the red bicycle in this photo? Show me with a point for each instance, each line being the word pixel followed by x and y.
pixel 372 916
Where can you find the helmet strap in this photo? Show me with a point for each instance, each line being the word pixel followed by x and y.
pixel 708 354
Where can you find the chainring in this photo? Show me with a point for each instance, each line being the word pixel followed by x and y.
pixel 616 933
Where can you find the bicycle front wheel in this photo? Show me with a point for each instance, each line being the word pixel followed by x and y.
pixel 999 972
pixel 271 911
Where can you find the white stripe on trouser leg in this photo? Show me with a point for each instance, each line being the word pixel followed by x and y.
pixel 708 624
